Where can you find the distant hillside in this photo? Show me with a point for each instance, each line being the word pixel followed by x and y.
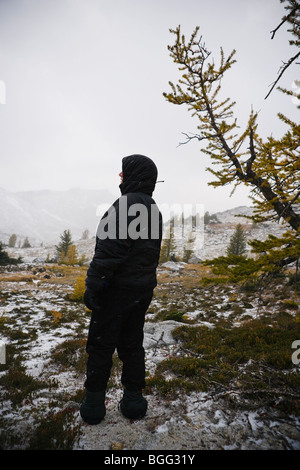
pixel 235 216
pixel 43 215
pixel 212 239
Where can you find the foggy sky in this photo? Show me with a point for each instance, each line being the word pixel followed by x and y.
pixel 84 82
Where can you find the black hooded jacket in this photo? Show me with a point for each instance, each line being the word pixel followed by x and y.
pixel 129 234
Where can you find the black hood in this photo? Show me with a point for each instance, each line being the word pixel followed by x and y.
pixel 139 175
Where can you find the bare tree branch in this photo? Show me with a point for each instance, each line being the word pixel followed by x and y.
pixel 283 69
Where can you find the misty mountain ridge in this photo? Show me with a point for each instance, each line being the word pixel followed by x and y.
pixel 43 215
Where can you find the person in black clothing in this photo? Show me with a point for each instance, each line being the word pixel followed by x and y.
pixel 119 288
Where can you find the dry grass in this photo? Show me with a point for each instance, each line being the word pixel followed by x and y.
pixel 66 274
pixel 190 276
pixel 21 277
pixel 49 274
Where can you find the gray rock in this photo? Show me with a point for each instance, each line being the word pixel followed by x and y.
pixel 159 334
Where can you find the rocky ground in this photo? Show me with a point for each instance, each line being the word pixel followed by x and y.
pixel 194 421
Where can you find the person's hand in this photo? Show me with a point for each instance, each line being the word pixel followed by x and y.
pixel 94 288
pixel 91 299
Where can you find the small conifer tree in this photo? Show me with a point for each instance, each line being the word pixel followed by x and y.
pixel 188 248
pixel 26 243
pixel 168 248
pixel 64 245
pixel 237 244
pixel 85 234
pixel 5 258
pixel 12 240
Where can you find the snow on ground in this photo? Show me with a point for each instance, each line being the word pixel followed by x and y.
pixel 193 422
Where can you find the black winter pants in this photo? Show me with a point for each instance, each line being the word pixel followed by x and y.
pixel 117 324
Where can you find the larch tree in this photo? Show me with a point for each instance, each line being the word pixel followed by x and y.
pixel 71 258
pixel 270 168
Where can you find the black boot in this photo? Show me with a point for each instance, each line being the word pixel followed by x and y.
pixel 92 409
pixel 133 405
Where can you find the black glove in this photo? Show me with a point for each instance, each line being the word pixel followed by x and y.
pixel 94 288
pixel 91 299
